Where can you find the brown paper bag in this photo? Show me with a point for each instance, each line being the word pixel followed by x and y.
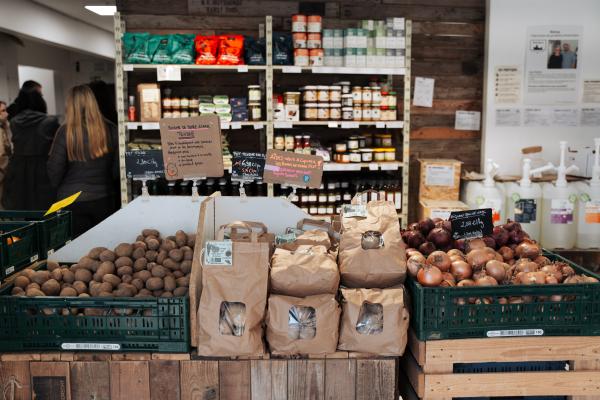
pixel 233 299
pixel 371 252
pixel 308 325
pixel 306 271
pixel 374 321
pixel 259 228
pixel 322 236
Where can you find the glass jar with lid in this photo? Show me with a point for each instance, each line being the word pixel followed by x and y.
pixel 323 93
pixel 289 142
pixel 347 100
pixel 353 143
pixel 392 100
pixel 375 113
pixel 255 112
pixel 335 111
pixel 367 96
pixel 194 104
pixel 254 93
pixel 366 113
pixel 279 142
pixel 335 94
pixel 375 95
pixel 175 103
pixel 323 111
pixel 345 85
pixel 298 144
pixel 357 95
pixel 357 113
pixel 309 94
pixel 184 103
pixel 347 113
pixel 311 112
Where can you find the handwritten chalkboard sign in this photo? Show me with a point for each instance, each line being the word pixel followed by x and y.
pixel 471 223
pixel 247 166
pixel 144 164
pixel 296 169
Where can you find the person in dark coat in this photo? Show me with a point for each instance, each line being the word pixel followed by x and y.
pixel 19 104
pixel 84 159
pixel 26 185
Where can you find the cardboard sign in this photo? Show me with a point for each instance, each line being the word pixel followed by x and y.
pixel 471 223
pixel 247 166
pixel 143 164
pixel 63 203
pixel 296 169
pixel 191 147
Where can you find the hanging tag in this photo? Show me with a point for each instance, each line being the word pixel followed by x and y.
pixel 145 192
pixel 218 252
pixel 354 210
pixel 293 194
pixel 127 67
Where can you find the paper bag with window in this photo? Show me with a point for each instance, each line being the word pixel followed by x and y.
pixel 311 232
pixel 308 325
pixel 234 294
pixel 371 251
pixel 374 321
pixel 242 235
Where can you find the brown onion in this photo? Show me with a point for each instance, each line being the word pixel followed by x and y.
pixel 526 265
pixel 589 279
pixel 461 270
pixel 489 242
pixel 427 248
pixel 507 253
pixel 496 270
pixel 479 257
pixel 554 271
pixel 486 281
pixel 448 280
pixel 466 283
pixel 574 279
pixel 472 244
pixel 480 273
pixel 440 259
pixel 551 280
pixel 528 250
pixel 542 260
pixel 502 300
pixel 430 276
pixel 533 278
pixel 414 264
pixel 456 252
pixel 456 258
pixel 411 252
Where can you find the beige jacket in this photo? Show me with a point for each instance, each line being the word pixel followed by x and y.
pixel 5 151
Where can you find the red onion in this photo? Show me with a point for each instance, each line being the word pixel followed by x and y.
pixel 413 238
pixel 413 227
pixel 516 236
pixel 512 226
pixel 440 237
pixel 427 248
pixel 426 226
pixel 500 235
pixel 472 244
pixel 460 244
pixel 489 242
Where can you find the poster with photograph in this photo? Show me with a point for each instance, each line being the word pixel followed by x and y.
pixel 552 65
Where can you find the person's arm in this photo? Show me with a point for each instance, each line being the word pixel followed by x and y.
pixel 58 159
pixel 114 139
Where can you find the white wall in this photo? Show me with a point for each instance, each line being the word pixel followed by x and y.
pixel 44 77
pixel 508 21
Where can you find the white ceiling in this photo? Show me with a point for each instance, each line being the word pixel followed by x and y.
pixel 75 9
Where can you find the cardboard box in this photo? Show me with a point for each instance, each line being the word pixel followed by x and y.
pixel 149 102
pixel 439 179
pixel 439 208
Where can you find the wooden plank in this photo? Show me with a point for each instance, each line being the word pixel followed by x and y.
pixel 131 357
pixel 50 380
pixel 442 132
pixel 340 379
pixel 243 7
pixel 91 356
pixel 171 356
pixel 152 6
pixel 129 380
pixel 414 12
pixel 20 357
pixel 50 356
pixel 15 380
pixel 435 68
pixel 193 23
pixel 67 356
pixel 548 383
pixel 413 373
pixel 164 380
pixel 452 44
pixel 90 380
pixel 585 365
pixel 447 107
pixel 446 28
pixel 416 347
pixel 199 380
pixel 306 379
pixel 268 379
pixel 234 380
pixel 426 53
pixel 376 379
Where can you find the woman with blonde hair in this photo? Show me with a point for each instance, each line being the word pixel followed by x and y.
pixel 84 158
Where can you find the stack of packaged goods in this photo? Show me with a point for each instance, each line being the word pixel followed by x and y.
pixel 307 40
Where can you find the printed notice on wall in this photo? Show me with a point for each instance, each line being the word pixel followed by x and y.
pixel 507 84
pixel 467 120
pixel 192 147
pixel 423 95
pixel 590 116
pixel 533 116
pixel 564 117
pixel 295 169
pixel 508 117
pixel 552 64
pixel 591 91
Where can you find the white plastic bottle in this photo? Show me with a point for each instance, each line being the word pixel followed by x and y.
pixel 523 200
pixel 588 215
pixel 559 208
pixel 487 194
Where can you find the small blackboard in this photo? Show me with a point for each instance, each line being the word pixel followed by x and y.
pixel 144 164
pixel 471 223
pixel 247 166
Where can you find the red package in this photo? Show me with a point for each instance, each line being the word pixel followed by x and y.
pixel 231 50
pixel 206 49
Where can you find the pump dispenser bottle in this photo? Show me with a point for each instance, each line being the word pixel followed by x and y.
pixel 588 214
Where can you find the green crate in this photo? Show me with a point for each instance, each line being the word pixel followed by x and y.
pixel 37 324
pixel 18 254
pixel 436 313
pixel 55 230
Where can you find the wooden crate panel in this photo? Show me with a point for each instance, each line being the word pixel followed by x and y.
pixel 199 379
pixel 234 380
pixel 340 379
pixel 15 380
pixel 129 380
pixel 376 379
pixel 90 380
pixel 306 379
pixel 50 380
pixel 164 380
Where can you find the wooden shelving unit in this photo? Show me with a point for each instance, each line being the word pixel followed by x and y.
pixel 268 75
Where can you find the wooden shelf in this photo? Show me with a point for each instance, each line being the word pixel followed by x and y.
pixel 293 69
pixel 194 67
pixel 149 126
pixel 374 166
pixel 340 124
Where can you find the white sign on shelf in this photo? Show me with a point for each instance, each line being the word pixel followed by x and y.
pixel 132 125
pixel 258 125
pixel 332 124
pixel 283 125
pixel 236 125
pixel 350 125
pixel 224 125
pixel 389 166
pixel 394 124
pixel 373 166
pixel 127 67
pixel 148 126
pixel 291 69
pixel 379 124
pixel 242 68
pixel 168 73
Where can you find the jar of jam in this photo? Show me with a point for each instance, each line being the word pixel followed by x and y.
pixel 298 144
pixel 309 94
pixel 279 142
pixel 347 113
pixel 323 111
pixel 335 111
pixel 335 94
pixel 323 93
pixel 289 143
pixel 366 95
pixel 375 113
pixel 376 95
pixel 357 95
pixel 357 113
pixel 306 149
pixel 366 113
pixel 311 112
pixel 347 100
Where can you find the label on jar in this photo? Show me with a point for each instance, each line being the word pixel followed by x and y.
pixel 312 197
pixel 298 26
pixel 323 198
pixel 592 212
pixel 439 175
pixel 525 210
pixel 561 211
pixel 331 198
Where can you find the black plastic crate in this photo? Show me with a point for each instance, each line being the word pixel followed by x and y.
pixel 19 246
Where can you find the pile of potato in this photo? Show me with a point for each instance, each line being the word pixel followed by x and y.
pixel 150 267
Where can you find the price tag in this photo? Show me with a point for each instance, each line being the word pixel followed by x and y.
pixel 354 210
pixel 290 168
pixel 394 124
pixel 242 68
pixel 236 125
pixel 349 125
pixel 62 204
pixel 148 126
pixel 127 67
pixel 144 163
pixel 168 73
pixel 373 166
pixel 258 125
pixel 379 124
pixel 285 238
pixel 247 166
pixel 471 223
pixel 218 253
pixel 291 69
pixel 284 125
pixel 332 124
pixel 132 125
pixel 389 166
pixel 224 125
pixel 9 270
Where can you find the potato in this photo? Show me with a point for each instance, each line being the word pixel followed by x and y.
pixel 150 266
pixel 56 274
pixel 152 243
pixel 185 281
pixel 83 275
pixel 191 240
pixel 150 232
pixel 88 263
pixel 186 267
pixel 33 285
pixel 33 292
pixel 124 250
pixel 52 265
pixel 84 295
pixel 107 255
pixel 140 244
pixel 125 270
pixel 22 281
pixel 162 256
pixel 106 294
pixel 68 276
pixel 171 238
pixel 178 274
pixel 17 291
pixel 95 252
pixel 93 312
pixel 69 292
pixel 151 255
pixel 51 287
pixel 180 291
pixel 169 283
pixel 123 261
pixel 75 267
pixel 140 264
pixel 176 255
pixel 128 285
pixel 127 278
pixel 123 292
pixel 40 277
pixel 144 293
pixel 112 279
pixel 139 238
pixel 80 287
pixel 138 283
pixel 64 285
pixel 157 293
pixel 154 283
pixel 168 245
pixel 142 275
pixel 180 238
pixel 107 267
pixel 188 255
pixel 138 253
pixel 159 271
pixel 170 264
pixel 166 294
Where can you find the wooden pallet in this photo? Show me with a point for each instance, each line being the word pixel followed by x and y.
pixel 428 366
pixel 127 376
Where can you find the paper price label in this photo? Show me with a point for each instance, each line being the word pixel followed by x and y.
pixel 291 69
pixel 354 210
pixel 236 125
pixel 168 73
pixel 332 124
pixel 515 332
pixel 9 270
pixel 218 253
pixel 91 346
pixel 379 125
pixel 242 68
pixel 127 67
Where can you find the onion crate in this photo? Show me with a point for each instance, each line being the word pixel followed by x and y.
pixel 443 313
pixel 19 246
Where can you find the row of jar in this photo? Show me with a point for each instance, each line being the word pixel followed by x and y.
pixel 335 112
pixel 372 95
pixel 365 156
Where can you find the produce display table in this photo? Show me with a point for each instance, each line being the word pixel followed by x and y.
pixel 128 376
pixel 523 366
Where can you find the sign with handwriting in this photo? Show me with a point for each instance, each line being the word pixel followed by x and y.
pixel 295 169
pixel 144 164
pixel 247 166
pixel 471 223
pixel 192 147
